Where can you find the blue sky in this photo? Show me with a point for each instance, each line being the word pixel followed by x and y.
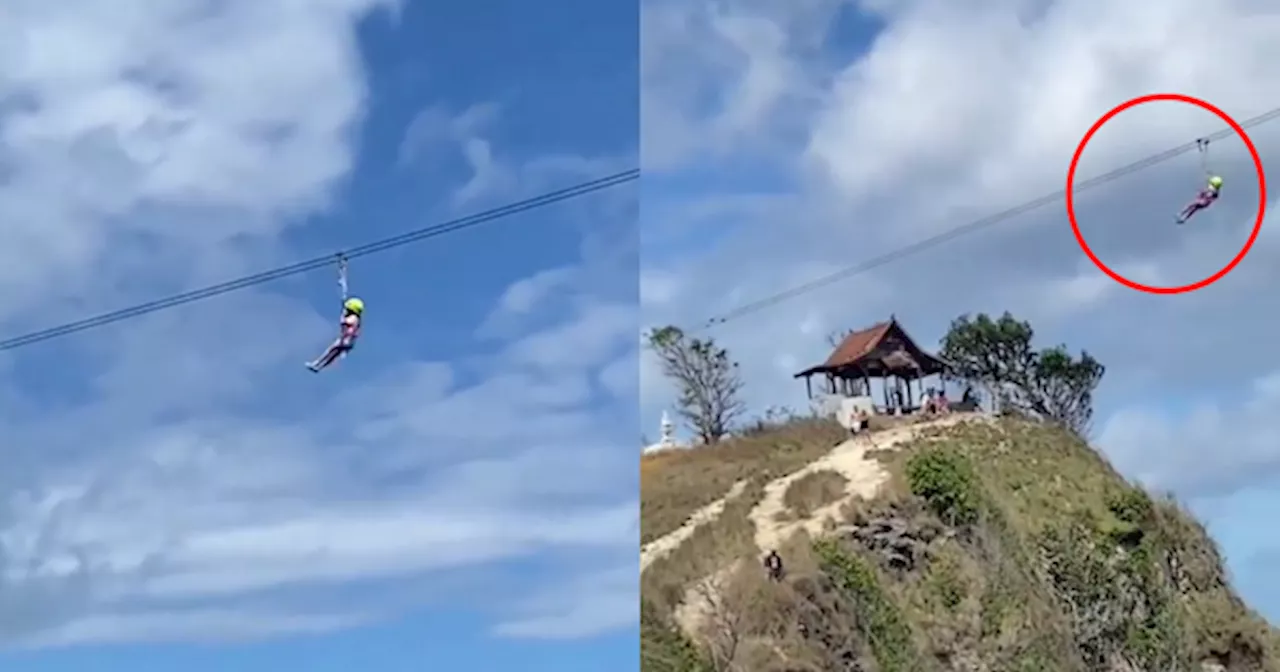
pixel 181 493
pixel 784 141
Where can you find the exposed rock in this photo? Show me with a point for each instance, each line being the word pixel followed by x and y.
pixel 900 545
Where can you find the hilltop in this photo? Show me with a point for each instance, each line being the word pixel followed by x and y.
pixel 968 543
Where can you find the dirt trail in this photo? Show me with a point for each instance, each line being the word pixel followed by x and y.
pixel 865 476
pixel 664 545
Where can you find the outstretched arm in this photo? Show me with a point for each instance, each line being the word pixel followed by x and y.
pixel 342 275
pixel 342 281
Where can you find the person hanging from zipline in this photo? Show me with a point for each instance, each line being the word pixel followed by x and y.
pixel 349 325
pixel 1209 194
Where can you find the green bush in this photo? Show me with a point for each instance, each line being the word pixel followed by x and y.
pixel 946 583
pixel 947 482
pixel 1131 505
pixel 886 628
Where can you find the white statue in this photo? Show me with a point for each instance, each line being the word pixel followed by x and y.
pixel 667 438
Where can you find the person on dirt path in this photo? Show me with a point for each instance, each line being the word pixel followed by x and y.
pixel 773 565
pixel 859 421
pixel 927 402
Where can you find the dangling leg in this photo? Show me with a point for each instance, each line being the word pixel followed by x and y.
pixel 324 360
pixel 336 351
pixel 1191 209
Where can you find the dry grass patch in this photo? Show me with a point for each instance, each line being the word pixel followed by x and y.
pixel 677 483
pixel 804 623
pixel 711 548
pixel 814 491
pixel 753 623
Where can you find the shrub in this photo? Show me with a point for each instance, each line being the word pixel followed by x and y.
pixel 886 628
pixel 947 482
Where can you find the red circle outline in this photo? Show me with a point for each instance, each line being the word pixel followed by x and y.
pixel 1262 193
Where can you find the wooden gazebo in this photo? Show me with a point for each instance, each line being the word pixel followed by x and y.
pixel 884 352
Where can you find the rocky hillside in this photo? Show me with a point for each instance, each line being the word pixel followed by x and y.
pixel 984 545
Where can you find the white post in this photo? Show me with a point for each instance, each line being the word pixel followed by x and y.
pixel 667 430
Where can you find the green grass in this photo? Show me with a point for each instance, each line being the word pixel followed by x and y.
pixel 886 629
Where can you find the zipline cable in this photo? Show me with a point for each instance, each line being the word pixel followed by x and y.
pixel 375 247
pixel 978 225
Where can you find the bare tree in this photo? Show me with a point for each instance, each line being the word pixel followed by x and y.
pixel 835 338
pixel 664 647
pixel 710 388
pixel 721 624
pixel 744 621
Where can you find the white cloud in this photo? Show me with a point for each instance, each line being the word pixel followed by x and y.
pixel 386 540
pixel 1053 76
pixel 206 625
pixel 465 134
pixel 657 287
pixel 1207 448
pixel 434 125
pixel 493 175
pixel 600 601
pixel 123 121
pixel 622 377
pixel 750 74
pixel 584 342
pixel 528 294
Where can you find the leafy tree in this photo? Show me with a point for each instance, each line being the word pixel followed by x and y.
pixel 1049 383
pixel 710 388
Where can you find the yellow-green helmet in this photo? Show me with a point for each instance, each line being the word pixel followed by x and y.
pixel 354 305
pixel 1215 182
